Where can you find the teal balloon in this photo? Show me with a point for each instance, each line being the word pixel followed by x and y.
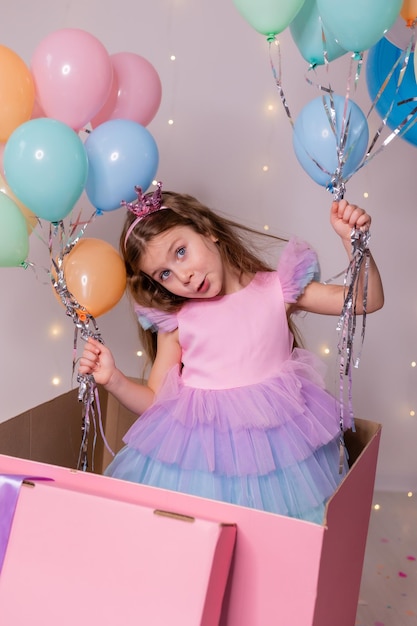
pixel 121 154
pixel 315 143
pixel 269 17
pixel 14 238
pixel 358 24
pixel 307 31
pixel 46 167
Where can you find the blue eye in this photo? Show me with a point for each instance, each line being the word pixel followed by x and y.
pixel 164 275
pixel 181 252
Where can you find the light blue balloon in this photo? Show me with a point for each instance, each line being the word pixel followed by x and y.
pixel 358 24
pixel 46 167
pixel 315 143
pixel 307 32
pixel 122 154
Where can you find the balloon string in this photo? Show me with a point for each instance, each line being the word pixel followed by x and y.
pixel 275 50
pixel 337 185
pixel 84 325
pixel 346 326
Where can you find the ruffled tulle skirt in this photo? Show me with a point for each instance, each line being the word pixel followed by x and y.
pixel 273 445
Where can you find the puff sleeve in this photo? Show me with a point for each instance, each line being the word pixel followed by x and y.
pixel 297 267
pixel 154 319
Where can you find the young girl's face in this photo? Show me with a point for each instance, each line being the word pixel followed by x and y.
pixel 186 263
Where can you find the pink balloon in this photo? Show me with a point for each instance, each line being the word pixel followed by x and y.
pixel 37 111
pixel 73 76
pixel 136 91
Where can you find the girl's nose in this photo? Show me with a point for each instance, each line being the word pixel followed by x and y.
pixel 186 275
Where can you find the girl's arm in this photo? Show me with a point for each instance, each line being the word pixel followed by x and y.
pixel 328 299
pixel 98 360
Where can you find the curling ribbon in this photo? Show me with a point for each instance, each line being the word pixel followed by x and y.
pixel 86 325
pixel 347 322
pixel 10 485
pixel 346 325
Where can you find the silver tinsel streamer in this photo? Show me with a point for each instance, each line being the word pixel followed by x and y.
pixel 356 285
pixel 85 326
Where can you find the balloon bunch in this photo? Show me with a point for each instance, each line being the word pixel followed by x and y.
pixel 331 134
pixel 74 121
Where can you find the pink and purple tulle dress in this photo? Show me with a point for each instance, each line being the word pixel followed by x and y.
pixel 246 419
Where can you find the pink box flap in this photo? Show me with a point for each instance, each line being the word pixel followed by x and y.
pixel 74 558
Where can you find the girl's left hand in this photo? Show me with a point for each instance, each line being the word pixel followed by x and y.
pixel 345 216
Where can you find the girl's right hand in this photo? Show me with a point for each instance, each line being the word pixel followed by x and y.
pixel 97 360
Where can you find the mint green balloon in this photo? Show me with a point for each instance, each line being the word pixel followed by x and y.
pixel 46 167
pixel 269 17
pixel 14 238
pixel 358 24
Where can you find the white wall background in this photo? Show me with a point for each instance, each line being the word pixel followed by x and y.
pixel 217 92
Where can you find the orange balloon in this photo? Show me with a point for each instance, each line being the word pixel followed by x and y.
pixel 95 274
pixel 17 92
pixel 31 219
pixel 409 11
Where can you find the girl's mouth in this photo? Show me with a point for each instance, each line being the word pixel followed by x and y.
pixel 204 286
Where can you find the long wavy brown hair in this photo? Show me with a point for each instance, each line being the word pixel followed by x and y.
pixel 233 240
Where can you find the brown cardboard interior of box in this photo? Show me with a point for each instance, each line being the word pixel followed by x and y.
pixel 51 432
pixel 357 440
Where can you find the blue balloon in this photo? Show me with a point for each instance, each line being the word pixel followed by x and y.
pixel 121 154
pixel 315 143
pixel 380 61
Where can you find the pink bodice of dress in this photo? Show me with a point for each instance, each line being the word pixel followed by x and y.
pixel 235 340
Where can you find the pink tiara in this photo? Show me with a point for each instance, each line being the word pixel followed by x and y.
pixel 145 205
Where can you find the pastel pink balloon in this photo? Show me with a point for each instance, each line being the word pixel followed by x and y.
pixel 136 91
pixel 73 76
pixel 37 111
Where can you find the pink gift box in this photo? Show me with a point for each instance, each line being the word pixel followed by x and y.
pixel 77 558
pixel 284 571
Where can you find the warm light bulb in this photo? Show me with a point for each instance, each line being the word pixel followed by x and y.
pixel 139 353
pixel 265 168
pixel 172 57
pixel 326 350
pixel 56 381
pixel 412 413
pixel 413 363
pixel 410 494
pixel 170 122
pixel 55 331
pixel 365 194
pixel 266 227
pixel 377 507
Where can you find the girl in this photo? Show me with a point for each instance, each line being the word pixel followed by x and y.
pixel 232 409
